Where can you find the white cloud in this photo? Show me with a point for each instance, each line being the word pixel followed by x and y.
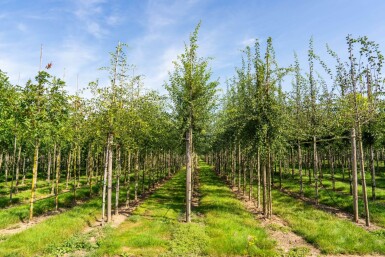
pixel 89 12
pixel 22 27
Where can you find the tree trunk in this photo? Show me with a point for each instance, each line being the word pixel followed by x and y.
pixel 49 167
pixel 34 176
pixel 109 178
pixel 315 166
pixel 264 189
pixel 258 178
pixel 363 179
pixel 18 170
pixel 104 185
pixel 118 170
pixel 57 175
pixel 128 179
pixel 68 168
pixel 354 176
pixel 188 173
pixel 136 175
pixel 373 172
pixel 300 169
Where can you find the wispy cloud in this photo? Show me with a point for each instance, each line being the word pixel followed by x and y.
pixel 89 12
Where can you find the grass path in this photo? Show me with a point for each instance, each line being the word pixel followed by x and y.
pixel 340 198
pixel 326 231
pixel 221 226
pixel 54 235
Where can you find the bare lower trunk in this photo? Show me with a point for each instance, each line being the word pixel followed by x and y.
pixel 264 190
pixel 118 170
pixel 354 175
pixel 188 173
pixel 373 172
pixel 300 169
pixel 128 179
pixel 34 176
pixel 104 187
pixel 136 175
pixel 18 170
pixel 363 179
pixel 315 166
pixel 57 176
pixel 109 178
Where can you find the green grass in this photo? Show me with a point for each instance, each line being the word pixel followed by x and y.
pixel 20 213
pixel 327 232
pixel 231 229
pixel 58 234
pixel 149 230
pixel 341 198
pixel 43 190
pixel 51 232
pixel 220 225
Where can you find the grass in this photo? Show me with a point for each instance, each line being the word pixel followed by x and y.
pixel 51 232
pixel 220 225
pixel 231 229
pixel 341 198
pixel 20 213
pixel 327 232
pixel 58 234
pixel 149 230
pixel 43 190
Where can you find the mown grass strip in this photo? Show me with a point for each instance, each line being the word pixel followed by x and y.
pixel 327 232
pixel 340 198
pixel 50 232
pixel 231 229
pixel 220 225
pixel 45 238
pixel 148 231
pixel 20 213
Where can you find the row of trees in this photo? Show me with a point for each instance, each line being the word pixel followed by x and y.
pixel 122 133
pixel 332 116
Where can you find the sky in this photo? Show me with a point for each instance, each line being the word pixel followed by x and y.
pixel 78 35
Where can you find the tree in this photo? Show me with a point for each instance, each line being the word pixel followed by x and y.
pixel 192 94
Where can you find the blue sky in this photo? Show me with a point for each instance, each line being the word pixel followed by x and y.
pixel 77 35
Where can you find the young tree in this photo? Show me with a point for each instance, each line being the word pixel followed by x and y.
pixel 192 94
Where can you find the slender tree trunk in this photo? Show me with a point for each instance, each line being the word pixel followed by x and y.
pixel 136 175
pixel 13 169
pixel 74 165
pixel 268 181
pixel 264 189
pixel 57 175
pixel 18 170
pixel 300 169
pixel 109 178
pixel 68 168
pixel 315 166
pixel 54 169
pixel 239 167
pixel 258 178
pixel 373 172
pixel 188 173
pixel 332 171
pixel 105 185
pixel 128 179
pixel 23 179
pixel 354 175
pixel 363 179
pixel 49 167
pixel 233 165
pixel 34 176
pixel 251 176
pixel 118 171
